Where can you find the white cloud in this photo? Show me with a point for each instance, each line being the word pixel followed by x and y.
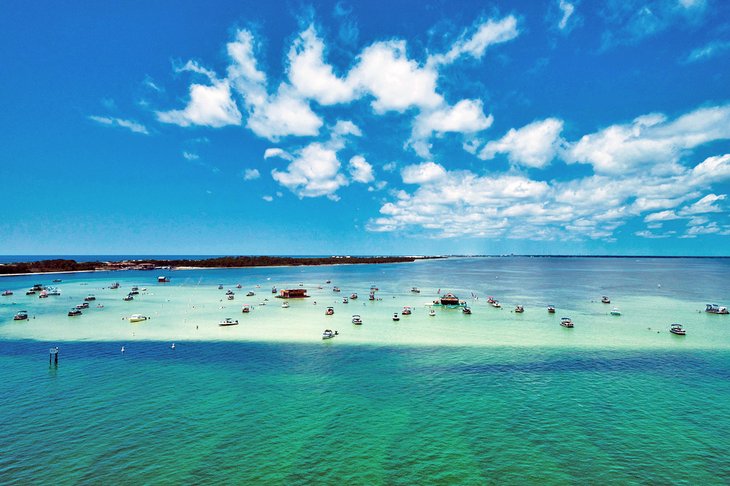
pixel 309 74
pixel 422 173
pixel 567 10
pixel 487 33
pixel 361 170
pixel 251 174
pixel 209 105
pixel 396 82
pixel 661 216
pixel 533 145
pixel 708 51
pixel 120 122
pixel 282 115
pixel 315 172
pixel 315 169
pixel 467 116
pixel 277 152
pixel 190 156
pixel 390 167
pixel 650 140
pixel 704 205
pixel 267 198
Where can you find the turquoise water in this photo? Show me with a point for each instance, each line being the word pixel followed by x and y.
pixel 365 411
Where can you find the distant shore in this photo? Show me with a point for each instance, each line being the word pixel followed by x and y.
pixel 57 266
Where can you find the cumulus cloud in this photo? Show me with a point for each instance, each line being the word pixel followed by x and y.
pixel 130 125
pixel 650 140
pixel 397 83
pixel 209 105
pixel 251 174
pixel 489 32
pixel 533 145
pixel 466 116
pixel 361 170
pixel 190 156
pixel 422 173
pixel 314 170
pixel 311 76
pixel 277 152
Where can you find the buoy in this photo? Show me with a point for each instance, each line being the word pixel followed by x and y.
pixel 122 349
pixel 173 346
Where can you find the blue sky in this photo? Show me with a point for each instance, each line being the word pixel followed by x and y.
pixel 377 127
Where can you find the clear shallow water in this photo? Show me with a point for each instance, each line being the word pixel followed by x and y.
pixel 291 414
pixel 492 397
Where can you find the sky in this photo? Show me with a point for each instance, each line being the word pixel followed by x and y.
pixel 378 127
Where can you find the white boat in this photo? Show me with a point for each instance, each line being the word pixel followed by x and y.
pixel 329 334
pixel 551 309
pixel 7 293
pixel 20 316
pixel 74 312
pixel 246 309
pixel 330 311
pixel 415 290
pixel 228 321
pixel 406 311
pixel 605 300
pixel 677 329
pixel 285 305
pixel 162 279
pixel 519 309
pixel 496 304
pixel 566 322
pixel 396 317
pixel 615 312
pixel 432 313
pixel 716 309
pixel 137 318
pixel 344 300
pixel 357 320
pixel 466 310
pixel 353 296
pixel 250 293
pixel 88 298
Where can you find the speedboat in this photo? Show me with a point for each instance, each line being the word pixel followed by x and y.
pixel 74 312
pixel 330 311
pixel 57 280
pixel 551 309
pixel 128 297
pixel 406 311
pixel 496 304
pixel 228 321
pixel 7 293
pixel 353 296
pixel 20 316
pixel 519 309
pixel 163 279
pixel 246 309
pixel 357 320
pixel 716 309
pixel 335 289
pixel 43 294
pixel 328 281
pixel 344 300
pixel 329 334
pixel 114 286
pixel 220 286
pixel 229 292
pixel 285 305
pixel 273 290
pixel 605 300
pixel 30 292
pixel 53 291
pixel 231 297
pixel 371 296
pixel 466 310
pixel 250 293
pixel 89 298
pixel 238 286
pixel 432 313
pixel 615 312
pixel 566 322
pixel 83 305
pixel 415 290
pixel 396 317
pixel 677 329
pixel 137 318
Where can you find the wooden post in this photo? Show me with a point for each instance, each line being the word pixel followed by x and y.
pixel 53 355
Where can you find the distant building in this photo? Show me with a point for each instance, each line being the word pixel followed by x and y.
pixel 293 294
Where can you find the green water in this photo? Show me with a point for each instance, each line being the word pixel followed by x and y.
pixel 491 398
pixel 289 414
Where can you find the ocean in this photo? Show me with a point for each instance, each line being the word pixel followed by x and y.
pixel 491 397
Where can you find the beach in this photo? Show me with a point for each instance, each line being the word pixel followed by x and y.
pixel 493 396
